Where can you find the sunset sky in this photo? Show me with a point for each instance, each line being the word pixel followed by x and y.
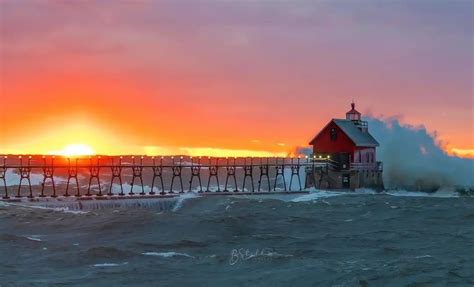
pixel 228 77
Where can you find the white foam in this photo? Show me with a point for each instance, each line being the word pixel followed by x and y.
pixel 445 193
pixel 167 254
pixel 406 193
pixel 317 195
pixel 109 264
pixel 182 198
pixel 59 209
pixel 34 238
pixel 365 191
pixel 423 159
pixel 76 206
pixel 442 193
pixel 424 256
pixel 438 194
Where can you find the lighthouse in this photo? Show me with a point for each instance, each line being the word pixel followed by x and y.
pixel 351 148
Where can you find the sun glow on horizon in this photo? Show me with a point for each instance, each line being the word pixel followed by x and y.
pixel 463 153
pixel 75 150
pixel 223 152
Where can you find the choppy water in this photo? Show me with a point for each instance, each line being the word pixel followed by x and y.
pixel 318 239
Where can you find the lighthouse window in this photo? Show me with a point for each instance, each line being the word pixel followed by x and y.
pixel 333 134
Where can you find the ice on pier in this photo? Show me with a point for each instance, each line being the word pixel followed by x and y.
pixel 83 205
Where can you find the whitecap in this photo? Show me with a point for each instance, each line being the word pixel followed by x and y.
pixel 182 198
pixel 424 256
pixel 438 194
pixel 167 254
pixel 34 238
pixel 109 264
pixel 316 195
pixel 60 209
pixel 406 193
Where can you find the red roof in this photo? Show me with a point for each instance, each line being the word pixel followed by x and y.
pixel 359 138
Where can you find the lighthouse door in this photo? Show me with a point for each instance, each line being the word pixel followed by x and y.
pixel 344 160
pixel 346 181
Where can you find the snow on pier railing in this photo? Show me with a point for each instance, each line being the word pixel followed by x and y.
pixel 105 176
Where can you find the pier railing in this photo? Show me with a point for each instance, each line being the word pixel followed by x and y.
pixel 371 166
pixel 107 176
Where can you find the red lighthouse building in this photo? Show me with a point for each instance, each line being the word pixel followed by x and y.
pixel 350 146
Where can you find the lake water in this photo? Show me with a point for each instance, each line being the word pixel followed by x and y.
pixel 317 239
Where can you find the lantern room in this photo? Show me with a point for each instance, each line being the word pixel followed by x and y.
pixel 353 114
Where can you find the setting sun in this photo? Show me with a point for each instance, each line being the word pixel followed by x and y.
pixel 76 150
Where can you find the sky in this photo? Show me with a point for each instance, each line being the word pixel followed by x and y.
pixel 228 77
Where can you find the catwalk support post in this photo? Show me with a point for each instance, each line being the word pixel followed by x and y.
pixel 116 174
pixel 264 173
pixel 213 172
pixel 248 173
pixel 295 171
pixel 72 174
pixel 3 176
pixel 195 172
pixel 137 173
pixel 94 170
pixel 157 173
pixel 177 169
pixel 48 173
pixel 25 172
pixel 279 168
pixel 230 174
